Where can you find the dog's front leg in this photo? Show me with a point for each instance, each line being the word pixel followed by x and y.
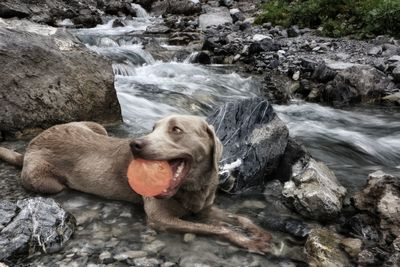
pixel 216 215
pixel 166 215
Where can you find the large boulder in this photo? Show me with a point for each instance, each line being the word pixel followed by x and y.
pixel 52 78
pixel 359 83
pixel 254 140
pixel 31 225
pixel 314 191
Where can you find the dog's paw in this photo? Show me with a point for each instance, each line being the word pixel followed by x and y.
pixel 259 247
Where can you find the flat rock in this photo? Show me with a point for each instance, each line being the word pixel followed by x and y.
pixel 254 140
pixel 214 17
pixel 36 224
pixel 314 192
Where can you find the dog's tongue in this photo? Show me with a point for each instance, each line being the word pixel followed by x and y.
pixel 150 178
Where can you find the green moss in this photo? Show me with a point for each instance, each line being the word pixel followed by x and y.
pixel 336 17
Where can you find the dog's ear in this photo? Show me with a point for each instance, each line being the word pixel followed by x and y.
pixel 217 146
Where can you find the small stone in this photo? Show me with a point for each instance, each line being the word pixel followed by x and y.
pixel 154 247
pixel 188 237
pixel 146 262
pixel 165 264
pixel 132 254
pixel 296 76
pixel 106 257
pixel 293 31
pixel 352 246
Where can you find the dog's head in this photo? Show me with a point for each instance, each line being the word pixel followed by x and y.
pixel 190 146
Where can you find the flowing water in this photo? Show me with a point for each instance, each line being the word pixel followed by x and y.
pixel 352 142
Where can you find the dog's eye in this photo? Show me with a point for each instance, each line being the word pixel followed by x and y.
pixel 177 130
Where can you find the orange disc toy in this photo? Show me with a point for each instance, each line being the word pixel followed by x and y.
pixel 149 178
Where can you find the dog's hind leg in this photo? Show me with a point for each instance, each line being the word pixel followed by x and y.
pixel 39 176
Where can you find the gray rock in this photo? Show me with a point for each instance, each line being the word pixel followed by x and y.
pixel 323 250
pixel 38 224
pixel 146 262
pixel 227 3
pixel 361 83
pixel 375 51
pixel 215 17
pixel 392 99
pixel 396 73
pixel 131 254
pixel 314 192
pixel 236 15
pixel 254 140
pixel 381 197
pixel 293 31
pixel 45 80
pixel 177 7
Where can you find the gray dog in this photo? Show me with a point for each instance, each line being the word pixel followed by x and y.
pixel 81 156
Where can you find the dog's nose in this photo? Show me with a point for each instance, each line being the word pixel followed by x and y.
pixel 137 145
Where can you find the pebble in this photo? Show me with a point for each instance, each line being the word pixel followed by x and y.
pixel 187 238
pixel 146 262
pixel 132 254
pixel 154 247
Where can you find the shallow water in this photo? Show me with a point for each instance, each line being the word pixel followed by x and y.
pixel 352 142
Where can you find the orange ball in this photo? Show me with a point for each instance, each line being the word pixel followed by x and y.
pixel 149 178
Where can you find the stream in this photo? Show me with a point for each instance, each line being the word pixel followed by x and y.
pixel 352 142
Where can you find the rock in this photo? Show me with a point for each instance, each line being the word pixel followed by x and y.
pixel 146 4
pixel 202 57
pixel 372 257
pixel 11 10
pixel 117 23
pixel 106 257
pixel 38 224
pixel 154 247
pixel 396 73
pixel 265 45
pixel 227 3
pixel 360 83
pixel 146 262
pixel 314 192
pixel 323 74
pixel 215 17
pixel 375 51
pixel 119 8
pixel 364 227
pixel 236 15
pixel 45 80
pixel 392 99
pixel 322 249
pixel 254 140
pixel 293 31
pixel 352 246
pixel 381 197
pixel 187 238
pixel 395 58
pixel 131 254
pixel 177 7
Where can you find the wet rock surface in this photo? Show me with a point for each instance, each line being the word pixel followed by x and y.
pixel 53 79
pixel 314 192
pixel 31 225
pixel 254 140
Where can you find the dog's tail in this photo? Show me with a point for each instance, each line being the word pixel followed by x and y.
pixel 11 157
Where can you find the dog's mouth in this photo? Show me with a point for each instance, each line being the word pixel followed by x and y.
pixel 180 168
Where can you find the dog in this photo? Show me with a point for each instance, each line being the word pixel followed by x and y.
pixel 81 156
